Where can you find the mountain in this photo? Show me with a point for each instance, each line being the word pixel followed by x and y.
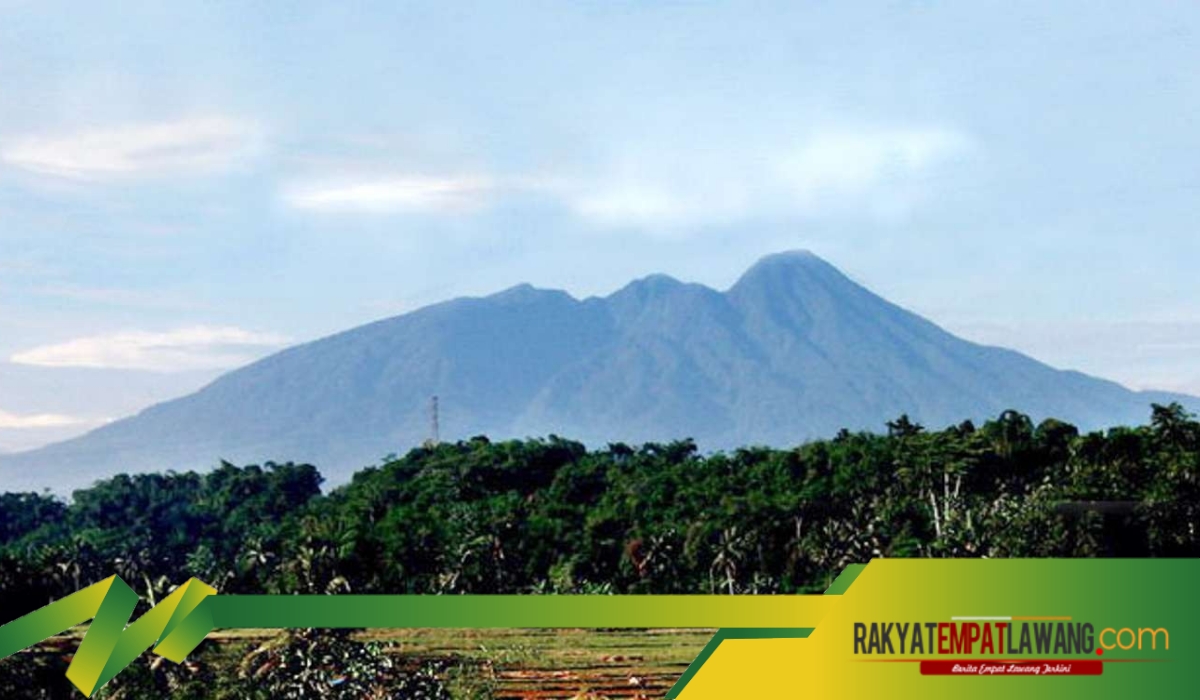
pixel 794 350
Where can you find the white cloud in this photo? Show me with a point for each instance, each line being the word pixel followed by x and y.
pixel 13 421
pixel 394 195
pixel 188 145
pixel 664 187
pixel 644 203
pixel 882 172
pixel 849 161
pixel 193 348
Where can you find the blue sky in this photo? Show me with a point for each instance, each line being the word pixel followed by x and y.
pixel 185 188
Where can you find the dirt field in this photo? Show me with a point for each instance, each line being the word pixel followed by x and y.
pixel 544 664
pixel 540 664
pixel 503 664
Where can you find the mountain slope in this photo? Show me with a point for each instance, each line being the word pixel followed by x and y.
pixel 793 350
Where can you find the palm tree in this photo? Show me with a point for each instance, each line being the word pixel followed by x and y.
pixel 731 552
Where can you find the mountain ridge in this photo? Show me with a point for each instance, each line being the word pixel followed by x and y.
pixel 793 350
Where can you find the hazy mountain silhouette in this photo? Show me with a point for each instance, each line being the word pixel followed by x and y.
pixel 794 350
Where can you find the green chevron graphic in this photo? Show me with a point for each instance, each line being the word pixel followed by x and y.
pixel 177 625
pixel 109 646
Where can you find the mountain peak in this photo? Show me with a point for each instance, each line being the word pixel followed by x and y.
pixel 526 293
pixel 796 255
pixel 649 286
pixel 799 259
pixel 792 270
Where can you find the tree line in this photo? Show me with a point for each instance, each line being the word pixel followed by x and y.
pixel 551 516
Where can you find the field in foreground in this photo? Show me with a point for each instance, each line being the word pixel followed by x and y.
pixel 529 663
pixel 474 664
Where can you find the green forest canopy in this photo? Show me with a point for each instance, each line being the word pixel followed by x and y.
pixel 549 515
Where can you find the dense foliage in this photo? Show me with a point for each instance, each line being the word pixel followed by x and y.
pixel 549 515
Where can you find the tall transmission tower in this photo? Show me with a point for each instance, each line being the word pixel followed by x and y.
pixel 434 422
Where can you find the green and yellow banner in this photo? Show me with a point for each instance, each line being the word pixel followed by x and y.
pixel 891 628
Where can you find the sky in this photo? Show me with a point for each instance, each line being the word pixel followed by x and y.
pixel 187 187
